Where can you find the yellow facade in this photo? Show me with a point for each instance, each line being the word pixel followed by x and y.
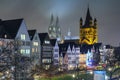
pixel 88 31
pixel 88 35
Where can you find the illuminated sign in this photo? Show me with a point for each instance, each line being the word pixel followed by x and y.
pixel 99 75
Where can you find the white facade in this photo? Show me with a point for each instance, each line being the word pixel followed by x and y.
pixel 56 54
pixel 24 39
pixel 71 58
pixel 36 50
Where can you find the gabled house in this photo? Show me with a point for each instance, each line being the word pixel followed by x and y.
pixel 16 31
pixel 35 47
pixel 55 51
pixel 46 50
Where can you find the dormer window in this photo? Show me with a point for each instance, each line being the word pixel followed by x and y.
pixel 22 36
pixel 47 42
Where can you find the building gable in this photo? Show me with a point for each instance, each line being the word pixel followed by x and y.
pixel 22 33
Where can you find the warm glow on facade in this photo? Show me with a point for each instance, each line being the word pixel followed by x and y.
pixel 88 35
pixel 82 58
pixel 88 31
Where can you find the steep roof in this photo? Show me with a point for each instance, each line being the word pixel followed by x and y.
pixel 42 37
pixel 31 33
pixel 88 18
pixel 11 27
pixel 53 41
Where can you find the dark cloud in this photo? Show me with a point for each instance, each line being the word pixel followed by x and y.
pixel 37 15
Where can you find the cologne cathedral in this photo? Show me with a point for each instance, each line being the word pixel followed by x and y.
pixel 54 30
pixel 82 50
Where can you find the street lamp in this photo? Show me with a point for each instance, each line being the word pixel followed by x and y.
pixel 110 70
pixel 73 76
pixel 91 72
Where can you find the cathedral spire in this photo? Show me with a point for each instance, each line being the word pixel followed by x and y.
pixel 52 19
pixel 57 21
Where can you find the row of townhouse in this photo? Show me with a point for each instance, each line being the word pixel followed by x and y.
pixel 41 49
pixel 29 43
pixel 79 56
pixel 14 32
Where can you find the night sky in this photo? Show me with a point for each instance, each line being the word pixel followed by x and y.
pixel 37 15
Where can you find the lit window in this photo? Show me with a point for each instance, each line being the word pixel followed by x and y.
pixel 5 36
pixel 54 29
pixel 1 43
pixel 50 28
pixel 22 36
pixel 36 50
pixel 35 43
pixel 47 42
pixel 22 51
pixel 27 51
pixel 33 50
pixel 46 60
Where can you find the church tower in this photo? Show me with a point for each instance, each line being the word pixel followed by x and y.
pixel 88 31
pixel 54 30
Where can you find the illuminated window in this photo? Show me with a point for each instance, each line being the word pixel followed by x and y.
pixel 35 43
pixel 47 42
pixel 1 43
pixel 27 51
pixel 54 29
pixel 22 36
pixel 33 50
pixel 46 60
pixel 5 36
pixel 36 50
pixel 50 28
pixel 22 51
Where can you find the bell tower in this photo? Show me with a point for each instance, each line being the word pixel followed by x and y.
pixel 88 31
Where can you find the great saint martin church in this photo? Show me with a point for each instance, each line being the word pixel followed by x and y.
pixel 88 31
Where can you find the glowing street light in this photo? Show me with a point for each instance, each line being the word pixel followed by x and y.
pixel 73 75
pixel 91 72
